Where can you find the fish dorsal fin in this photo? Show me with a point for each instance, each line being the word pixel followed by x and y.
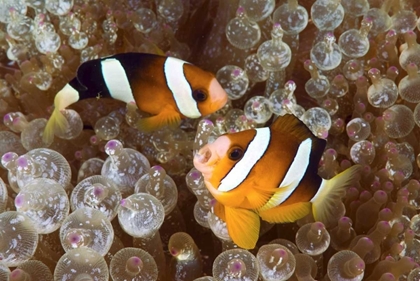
pixel 243 226
pixel 288 213
pixel 290 125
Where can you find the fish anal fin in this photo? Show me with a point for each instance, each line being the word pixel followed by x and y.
pixel 167 116
pixel 324 201
pixel 243 226
pixel 287 213
pixel 290 125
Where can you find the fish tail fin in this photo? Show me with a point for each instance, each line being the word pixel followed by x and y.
pixel 324 201
pixel 57 122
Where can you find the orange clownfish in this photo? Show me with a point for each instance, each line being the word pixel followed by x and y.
pixel 269 173
pixel 165 87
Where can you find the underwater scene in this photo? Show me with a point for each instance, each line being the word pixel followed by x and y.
pixel 209 140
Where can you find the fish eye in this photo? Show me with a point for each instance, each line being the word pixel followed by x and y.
pixel 199 95
pixel 235 153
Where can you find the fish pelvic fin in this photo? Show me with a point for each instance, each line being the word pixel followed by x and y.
pixel 56 124
pixel 219 211
pixel 166 117
pixel 324 201
pixel 287 213
pixel 243 226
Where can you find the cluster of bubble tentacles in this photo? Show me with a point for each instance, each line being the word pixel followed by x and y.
pixel 105 201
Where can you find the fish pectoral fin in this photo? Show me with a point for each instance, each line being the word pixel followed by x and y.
pixel 279 196
pixel 258 197
pixel 288 213
pixel 243 226
pixel 167 116
pixel 324 201
pixel 219 211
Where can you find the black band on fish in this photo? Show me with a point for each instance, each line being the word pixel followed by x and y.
pixel 253 153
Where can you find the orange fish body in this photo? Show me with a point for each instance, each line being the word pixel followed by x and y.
pixel 270 173
pixel 167 88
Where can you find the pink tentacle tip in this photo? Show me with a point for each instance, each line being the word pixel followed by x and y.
pixel 22 162
pixel 7 117
pixel 236 72
pixel 195 175
pixel 123 202
pixel 7 157
pixel 16 273
pixel 98 190
pixel 207 121
pixel 74 238
pixel 136 260
pixel 112 144
pixel 174 252
pixel 277 25
pixel 213 202
pixel 19 200
pixel 158 168
pixel 240 10
pixel 345 219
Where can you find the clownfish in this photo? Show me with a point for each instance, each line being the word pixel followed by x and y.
pixel 269 173
pixel 167 88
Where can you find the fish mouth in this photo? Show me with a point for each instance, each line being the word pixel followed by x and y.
pixel 204 160
pixel 203 155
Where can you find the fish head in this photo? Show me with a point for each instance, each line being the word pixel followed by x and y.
pixel 216 162
pixel 206 90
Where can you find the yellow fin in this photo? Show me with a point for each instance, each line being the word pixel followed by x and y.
pixel 323 203
pixel 219 210
pixel 56 124
pixel 278 196
pixel 243 226
pixel 258 197
pixel 288 213
pixel 167 116
pixel 158 50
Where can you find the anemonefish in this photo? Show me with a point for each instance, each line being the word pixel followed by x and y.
pixel 269 173
pixel 165 87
